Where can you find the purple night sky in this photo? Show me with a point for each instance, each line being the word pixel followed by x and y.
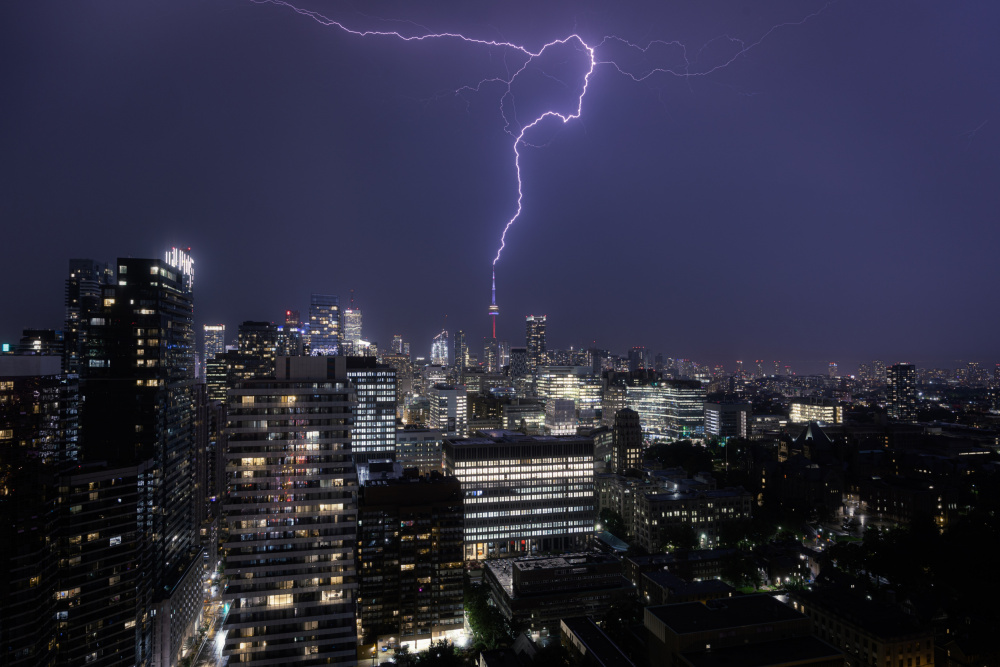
pixel 829 195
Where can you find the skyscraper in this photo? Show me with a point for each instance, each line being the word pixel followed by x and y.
pixel 878 371
pixel 901 392
pixel 449 410
pixel 535 341
pixel 83 301
pixel 491 355
pixel 214 340
pixel 374 432
pixel 138 411
pixel 213 343
pixel 518 362
pixel 439 349
pixel 291 515
pixel 461 350
pixel 324 324
pixel 258 343
pixel 352 327
pixel 626 447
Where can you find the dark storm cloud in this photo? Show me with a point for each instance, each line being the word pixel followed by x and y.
pixel 831 194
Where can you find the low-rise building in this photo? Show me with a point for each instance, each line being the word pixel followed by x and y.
pixel 537 592
pixel 868 632
pixel 751 631
pixel 657 513
pixel 663 587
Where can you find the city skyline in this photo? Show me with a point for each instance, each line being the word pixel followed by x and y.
pixel 804 191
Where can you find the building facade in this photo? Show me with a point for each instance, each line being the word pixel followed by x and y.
pixel 449 412
pixel 324 324
pixel 901 392
pixel 535 341
pixel 804 410
pixel 410 561
pixel 524 493
pixel 292 516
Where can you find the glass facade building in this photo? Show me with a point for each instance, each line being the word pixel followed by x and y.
pixel 324 324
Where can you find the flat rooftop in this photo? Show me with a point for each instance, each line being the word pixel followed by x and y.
pixel 879 619
pixel 691 617
pixel 502 436
pixel 794 651
pixel 598 645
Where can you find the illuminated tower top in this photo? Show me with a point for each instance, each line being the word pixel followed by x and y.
pixel 494 308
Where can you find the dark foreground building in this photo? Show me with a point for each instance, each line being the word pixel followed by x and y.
pixel 410 561
pixel 537 592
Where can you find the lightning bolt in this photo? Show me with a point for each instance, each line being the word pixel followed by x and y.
pixel 741 48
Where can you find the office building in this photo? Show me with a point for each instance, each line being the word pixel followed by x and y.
pixel 537 592
pixel 685 409
pixel 575 383
pixel 560 416
pixel 374 432
pixel 404 376
pixel 439 349
pixel 420 448
pixel 824 410
pixel 519 362
pixel 525 415
pixel 727 419
pixel 214 340
pixel 461 350
pixel 324 324
pixel 491 355
pixel 291 516
pixel 831 369
pixel 449 412
pixel 879 371
pixel 668 409
pixel 351 328
pixel 535 341
pixel 638 358
pixel 627 442
pixel 410 561
pixel 523 493
pixel 901 392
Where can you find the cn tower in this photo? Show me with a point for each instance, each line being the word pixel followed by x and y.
pixel 494 308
